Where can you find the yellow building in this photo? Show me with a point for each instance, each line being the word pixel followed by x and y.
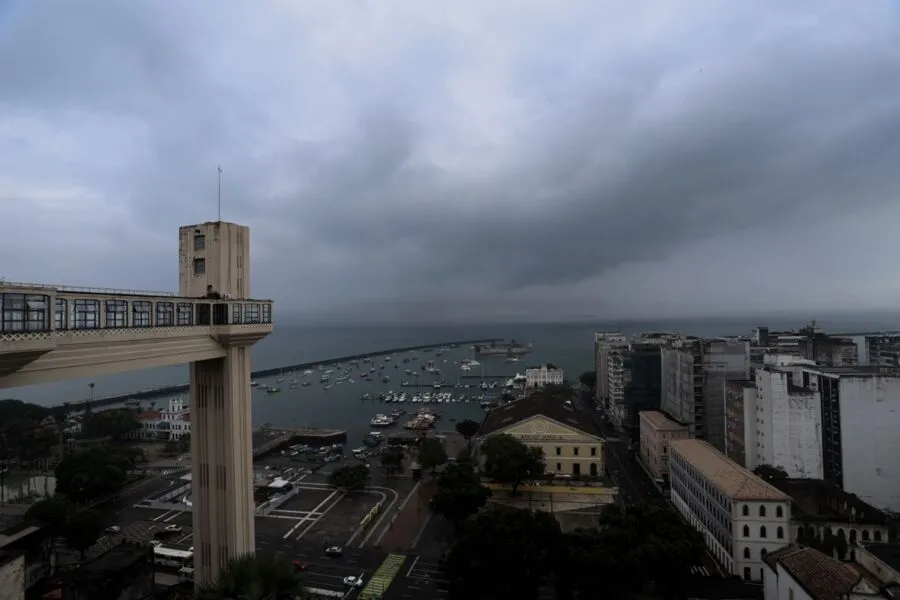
pixel 572 444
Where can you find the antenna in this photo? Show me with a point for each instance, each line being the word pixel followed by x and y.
pixel 219 191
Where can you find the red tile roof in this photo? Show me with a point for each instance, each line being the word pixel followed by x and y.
pixel 823 577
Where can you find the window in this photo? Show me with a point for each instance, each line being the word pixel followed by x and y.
pixel 779 511
pixel 865 535
pixel 61 314
pixel 251 313
pixel 185 314
pixel 199 266
pixel 266 313
pixel 165 314
pixel 558 467
pixel 140 313
pixel 558 451
pixel 593 451
pixel 236 313
pixel 779 533
pixel 762 553
pixel 791 590
pixel 762 511
pixel 746 531
pixel 575 451
pixel 762 531
pixel 745 510
pixel 746 552
pixel 877 536
pixel 87 314
pixel 25 312
pixel 116 314
pixel 199 242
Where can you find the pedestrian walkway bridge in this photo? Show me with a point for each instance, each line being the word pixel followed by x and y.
pixel 381 579
pixel 50 333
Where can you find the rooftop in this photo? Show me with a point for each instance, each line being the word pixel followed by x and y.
pixel 821 576
pixel 538 404
pixel 117 559
pixel 819 500
pixel 889 554
pixel 661 422
pixel 729 477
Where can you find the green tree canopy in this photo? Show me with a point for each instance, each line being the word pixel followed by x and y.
pixel 459 493
pixel 260 576
pixel 770 473
pixel 392 459
pixel 93 472
pixel 588 379
pixel 432 454
pixel 510 462
pixel 117 423
pixel 560 391
pixel 503 552
pixel 22 435
pixel 350 477
pixel 83 530
pixel 55 512
pixel 468 429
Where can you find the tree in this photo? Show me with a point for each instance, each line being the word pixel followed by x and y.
pixel 178 446
pixel 770 473
pixel 560 391
pixel 350 477
pixel 83 530
pixel 392 459
pixel 264 576
pixel 55 512
pixel 468 429
pixel 459 493
pixel 510 462
pixel 117 423
pixel 503 552
pixel 588 379
pixel 432 454
pixel 93 472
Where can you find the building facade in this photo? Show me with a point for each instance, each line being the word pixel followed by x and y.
pixel 656 431
pixel 572 445
pixel 643 391
pixel 170 423
pixel 788 419
pixel 695 377
pixel 742 518
pixel 546 374
pixel 739 427
pixel 802 573
pixel 883 351
pixel 610 348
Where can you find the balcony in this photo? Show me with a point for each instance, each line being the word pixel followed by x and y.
pixel 68 330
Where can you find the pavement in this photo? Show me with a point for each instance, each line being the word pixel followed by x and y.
pixel 419 579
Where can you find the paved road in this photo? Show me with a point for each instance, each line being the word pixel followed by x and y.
pixel 420 579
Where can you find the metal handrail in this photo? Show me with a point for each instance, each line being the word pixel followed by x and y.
pixel 84 289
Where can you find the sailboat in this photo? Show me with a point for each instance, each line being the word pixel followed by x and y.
pixel 280 377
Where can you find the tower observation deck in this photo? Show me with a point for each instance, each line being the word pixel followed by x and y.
pixel 51 332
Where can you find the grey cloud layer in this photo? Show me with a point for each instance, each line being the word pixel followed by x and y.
pixel 443 159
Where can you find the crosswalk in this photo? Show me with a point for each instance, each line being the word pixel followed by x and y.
pixel 700 571
pixel 381 579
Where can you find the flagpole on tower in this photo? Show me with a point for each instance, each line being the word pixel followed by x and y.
pixel 219 193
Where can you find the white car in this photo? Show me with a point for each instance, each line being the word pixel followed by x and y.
pixel 155 543
pixel 173 529
pixel 354 581
pixel 114 529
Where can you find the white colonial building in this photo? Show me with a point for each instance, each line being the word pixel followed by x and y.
pixel 742 518
pixel 536 377
pixel 169 423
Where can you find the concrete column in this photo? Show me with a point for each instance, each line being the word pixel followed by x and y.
pixel 222 450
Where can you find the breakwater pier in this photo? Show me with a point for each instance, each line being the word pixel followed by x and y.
pixel 171 390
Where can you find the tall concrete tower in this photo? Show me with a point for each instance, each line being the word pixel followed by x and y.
pixel 214 261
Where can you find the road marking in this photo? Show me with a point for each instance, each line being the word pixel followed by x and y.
pixel 304 519
pixel 385 511
pixel 422 530
pixel 302 513
pixel 162 516
pixel 359 529
pixel 383 576
pixel 413 566
pixel 314 520
pixel 173 517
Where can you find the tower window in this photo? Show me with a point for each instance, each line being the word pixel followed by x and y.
pixel 199 266
pixel 199 242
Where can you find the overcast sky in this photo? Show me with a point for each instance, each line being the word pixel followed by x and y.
pixel 453 160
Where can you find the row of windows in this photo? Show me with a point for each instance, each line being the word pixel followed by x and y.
pixel 779 533
pixel 31 312
pixel 575 451
pixel 779 511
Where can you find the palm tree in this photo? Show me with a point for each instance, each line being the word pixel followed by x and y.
pixel 260 576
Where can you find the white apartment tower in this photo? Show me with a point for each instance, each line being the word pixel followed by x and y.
pixel 609 355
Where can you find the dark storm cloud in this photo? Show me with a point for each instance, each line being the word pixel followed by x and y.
pixel 443 156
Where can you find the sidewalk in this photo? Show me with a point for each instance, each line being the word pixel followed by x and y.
pixel 407 523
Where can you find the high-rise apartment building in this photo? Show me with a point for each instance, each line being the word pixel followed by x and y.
pixel 883 351
pixel 695 374
pixel 609 362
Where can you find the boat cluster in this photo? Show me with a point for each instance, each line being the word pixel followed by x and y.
pixel 426 398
